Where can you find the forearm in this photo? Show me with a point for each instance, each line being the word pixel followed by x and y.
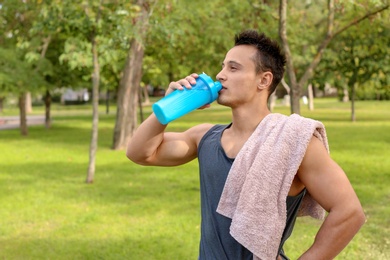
pixel 335 233
pixel 145 140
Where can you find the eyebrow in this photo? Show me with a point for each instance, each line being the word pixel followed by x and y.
pixel 232 62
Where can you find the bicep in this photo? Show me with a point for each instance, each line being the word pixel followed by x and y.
pixel 178 148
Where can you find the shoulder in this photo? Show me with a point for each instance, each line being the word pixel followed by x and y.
pixel 317 165
pixel 197 132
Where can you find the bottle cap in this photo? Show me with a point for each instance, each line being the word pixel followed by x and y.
pixel 214 86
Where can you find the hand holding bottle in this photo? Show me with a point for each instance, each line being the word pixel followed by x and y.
pixel 193 92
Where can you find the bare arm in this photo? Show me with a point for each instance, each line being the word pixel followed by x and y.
pixel 330 187
pixel 151 145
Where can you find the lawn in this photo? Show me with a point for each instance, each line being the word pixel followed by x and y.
pixel 135 212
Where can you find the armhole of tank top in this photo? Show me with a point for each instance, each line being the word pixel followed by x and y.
pixel 207 134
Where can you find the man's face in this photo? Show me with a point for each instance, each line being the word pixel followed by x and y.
pixel 238 76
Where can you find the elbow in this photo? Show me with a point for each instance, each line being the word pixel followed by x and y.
pixel 133 156
pixel 351 217
pixel 137 157
pixel 360 217
pixel 133 153
pixel 357 218
pixel 130 156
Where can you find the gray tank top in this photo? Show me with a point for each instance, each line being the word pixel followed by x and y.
pixel 216 243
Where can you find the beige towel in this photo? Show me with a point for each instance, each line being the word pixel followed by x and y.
pixel 255 192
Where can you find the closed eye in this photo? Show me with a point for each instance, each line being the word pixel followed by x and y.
pixel 232 65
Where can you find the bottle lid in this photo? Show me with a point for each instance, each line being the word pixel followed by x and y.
pixel 214 86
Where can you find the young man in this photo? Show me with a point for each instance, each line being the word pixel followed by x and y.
pixel 255 171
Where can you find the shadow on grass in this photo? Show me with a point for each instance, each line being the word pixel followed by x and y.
pixel 75 133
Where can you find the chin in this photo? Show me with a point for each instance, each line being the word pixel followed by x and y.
pixel 223 102
pixel 220 101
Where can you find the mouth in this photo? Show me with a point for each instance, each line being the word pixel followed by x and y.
pixel 222 89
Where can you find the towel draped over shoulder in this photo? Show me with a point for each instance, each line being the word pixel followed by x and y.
pixel 256 189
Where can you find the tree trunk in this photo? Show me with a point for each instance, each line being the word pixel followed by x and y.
pixel 146 96
pixel 345 94
pixel 47 109
pixel 129 86
pixel 311 97
pixel 353 82
pixel 141 113
pixel 95 105
pixel 1 104
pixel 295 95
pixel 286 87
pixel 353 93
pixel 295 88
pixel 28 103
pixel 23 114
pixel 126 120
pixel 95 114
pixel 47 99
pixel 272 101
pixel 107 102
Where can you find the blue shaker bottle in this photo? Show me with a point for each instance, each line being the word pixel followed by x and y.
pixel 181 102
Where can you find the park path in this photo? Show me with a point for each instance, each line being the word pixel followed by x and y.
pixel 12 122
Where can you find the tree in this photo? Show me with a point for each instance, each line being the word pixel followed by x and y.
pixel 359 58
pixel 178 44
pixel 17 19
pixel 95 88
pixel 330 34
pixel 88 27
pixel 45 29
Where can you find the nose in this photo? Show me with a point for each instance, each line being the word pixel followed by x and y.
pixel 221 76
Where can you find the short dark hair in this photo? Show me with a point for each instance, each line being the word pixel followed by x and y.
pixel 269 55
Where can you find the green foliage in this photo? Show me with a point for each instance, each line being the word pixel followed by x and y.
pixel 184 36
pixel 77 54
pixel 113 32
pixel 360 56
pixel 367 92
pixel 137 212
pixel 182 42
pixel 21 70
pixel 16 75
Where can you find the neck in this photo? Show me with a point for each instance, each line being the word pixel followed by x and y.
pixel 246 120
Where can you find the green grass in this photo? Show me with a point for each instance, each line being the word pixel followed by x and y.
pixel 136 212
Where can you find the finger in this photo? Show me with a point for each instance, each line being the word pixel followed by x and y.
pixel 172 87
pixel 187 83
pixel 194 75
pixel 175 85
pixel 191 80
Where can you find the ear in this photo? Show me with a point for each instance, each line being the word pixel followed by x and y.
pixel 265 80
